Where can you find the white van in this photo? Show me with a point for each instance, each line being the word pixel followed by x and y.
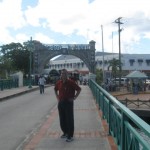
pixel 123 81
pixel 147 81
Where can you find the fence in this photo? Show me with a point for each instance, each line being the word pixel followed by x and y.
pixel 122 122
pixel 8 84
pixel 136 103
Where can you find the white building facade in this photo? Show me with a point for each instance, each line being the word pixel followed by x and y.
pixel 130 62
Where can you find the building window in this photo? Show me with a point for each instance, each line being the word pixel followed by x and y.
pixel 148 62
pixel 123 63
pixel 78 65
pixel 100 62
pixel 105 62
pixel 82 64
pixel 131 62
pixel 140 61
pixel 70 65
pixel 74 65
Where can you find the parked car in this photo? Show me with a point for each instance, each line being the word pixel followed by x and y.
pixel 147 81
pixel 123 81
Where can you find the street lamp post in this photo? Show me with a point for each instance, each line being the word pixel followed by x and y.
pixel 30 48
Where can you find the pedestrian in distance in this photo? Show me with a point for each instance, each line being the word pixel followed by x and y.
pixel 66 92
pixel 41 84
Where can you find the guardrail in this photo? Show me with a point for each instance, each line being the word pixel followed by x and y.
pixel 8 84
pixel 136 102
pixel 122 122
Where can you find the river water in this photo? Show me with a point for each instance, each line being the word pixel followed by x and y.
pixel 145 137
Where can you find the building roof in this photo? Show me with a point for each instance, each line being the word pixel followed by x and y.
pixel 63 57
pixel 97 53
pixel 136 74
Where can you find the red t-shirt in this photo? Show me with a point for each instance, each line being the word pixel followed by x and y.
pixel 66 90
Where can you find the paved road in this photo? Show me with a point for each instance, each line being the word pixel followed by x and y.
pixel 22 115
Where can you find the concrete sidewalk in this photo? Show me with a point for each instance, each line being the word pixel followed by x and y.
pixel 90 130
pixel 9 93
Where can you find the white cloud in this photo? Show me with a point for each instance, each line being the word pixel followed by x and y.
pixel 78 17
pixel 11 17
pixel 5 37
pixel 43 39
pixel 22 38
pixel 11 14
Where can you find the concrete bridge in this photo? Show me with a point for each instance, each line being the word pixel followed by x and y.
pixel 101 122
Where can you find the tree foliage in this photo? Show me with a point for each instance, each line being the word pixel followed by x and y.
pixel 114 64
pixel 99 76
pixel 14 56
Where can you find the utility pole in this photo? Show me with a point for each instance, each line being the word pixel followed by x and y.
pixel 119 30
pixel 103 55
pixel 113 45
pixel 30 78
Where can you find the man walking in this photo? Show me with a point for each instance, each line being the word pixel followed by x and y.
pixel 66 92
pixel 41 84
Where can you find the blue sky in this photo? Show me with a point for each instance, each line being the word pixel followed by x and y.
pixel 77 22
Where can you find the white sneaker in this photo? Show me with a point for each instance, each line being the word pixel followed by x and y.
pixel 69 139
pixel 63 136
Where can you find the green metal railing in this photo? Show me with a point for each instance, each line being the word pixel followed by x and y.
pixel 8 84
pixel 122 122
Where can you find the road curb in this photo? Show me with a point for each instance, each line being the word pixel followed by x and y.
pixel 21 92
pixel 18 94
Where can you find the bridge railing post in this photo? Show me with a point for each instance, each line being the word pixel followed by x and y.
pixel 124 118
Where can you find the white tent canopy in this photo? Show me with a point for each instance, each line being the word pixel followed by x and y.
pixel 136 75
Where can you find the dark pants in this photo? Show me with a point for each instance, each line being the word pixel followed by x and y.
pixel 66 117
pixel 41 89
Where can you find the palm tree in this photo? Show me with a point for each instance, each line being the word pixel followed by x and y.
pixel 114 64
pixel 99 76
